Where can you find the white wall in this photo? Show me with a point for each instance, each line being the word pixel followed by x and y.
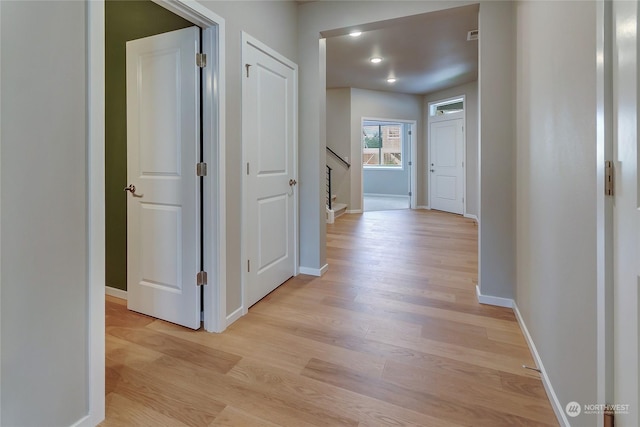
pixel 275 24
pixel 380 105
pixel 470 90
pixel 556 191
pixel 339 140
pixel 44 316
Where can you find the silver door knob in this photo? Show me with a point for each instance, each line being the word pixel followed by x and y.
pixel 292 182
pixel 131 188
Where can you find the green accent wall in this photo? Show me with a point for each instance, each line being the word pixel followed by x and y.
pixel 124 21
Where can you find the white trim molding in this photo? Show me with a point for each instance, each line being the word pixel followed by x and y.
pixel 236 315
pixel 95 80
pixel 115 292
pixel 553 398
pixel 423 207
pixel 471 216
pixel 314 271
pixel 491 300
pixel 399 196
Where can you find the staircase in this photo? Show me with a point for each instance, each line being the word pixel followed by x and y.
pixel 334 210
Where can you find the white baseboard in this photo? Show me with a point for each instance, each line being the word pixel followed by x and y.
pixel 314 271
pixel 235 315
pixel 497 301
pixel 551 394
pixel 83 422
pixel 423 207
pixel 354 211
pixel 405 196
pixel 115 292
pixel 471 216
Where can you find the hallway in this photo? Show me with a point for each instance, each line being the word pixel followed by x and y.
pixel 392 334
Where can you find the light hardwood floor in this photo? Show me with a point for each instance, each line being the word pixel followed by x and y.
pixel 391 335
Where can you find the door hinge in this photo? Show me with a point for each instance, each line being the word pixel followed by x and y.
pixel 201 278
pixel 409 193
pixel 608 178
pixel 409 132
pixel 410 163
pixel 247 168
pixel 248 266
pixel 201 60
pixel 201 169
pixel 247 67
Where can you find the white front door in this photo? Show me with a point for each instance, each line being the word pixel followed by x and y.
pixel 626 215
pixel 163 212
pixel 269 102
pixel 446 160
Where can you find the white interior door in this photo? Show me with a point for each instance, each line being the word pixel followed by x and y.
pixel 446 158
pixel 163 225
pixel 626 215
pixel 269 101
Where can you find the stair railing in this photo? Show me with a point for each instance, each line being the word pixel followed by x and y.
pixel 329 187
pixel 343 161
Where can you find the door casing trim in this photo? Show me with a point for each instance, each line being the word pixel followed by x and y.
pixel 432 119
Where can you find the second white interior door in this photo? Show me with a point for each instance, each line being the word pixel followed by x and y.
pixel 269 140
pixel 446 166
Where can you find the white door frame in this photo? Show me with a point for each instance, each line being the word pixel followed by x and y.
pixel 444 117
pixel 604 213
pixel 413 177
pixel 244 309
pixel 213 101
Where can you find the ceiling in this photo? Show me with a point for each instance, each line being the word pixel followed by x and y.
pixel 425 53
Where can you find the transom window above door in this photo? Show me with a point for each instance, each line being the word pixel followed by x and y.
pixel 451 106
pixel 382 144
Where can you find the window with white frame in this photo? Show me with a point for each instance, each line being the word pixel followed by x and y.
pixel 382 144
pixel 451 106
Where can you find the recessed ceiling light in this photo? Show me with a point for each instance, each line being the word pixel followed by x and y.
pixel 391 80
pixel 355 33
pixel 376 59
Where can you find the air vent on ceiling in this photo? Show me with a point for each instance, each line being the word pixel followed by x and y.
pixel 472 35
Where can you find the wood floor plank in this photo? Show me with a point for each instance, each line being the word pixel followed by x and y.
pixel 468 391
pixel 233 417
pixel 121 411
pixel 456 410
pixel 184 405
pixel 391 335
pixel 367 410
pixel 251 398
pixel 179 348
